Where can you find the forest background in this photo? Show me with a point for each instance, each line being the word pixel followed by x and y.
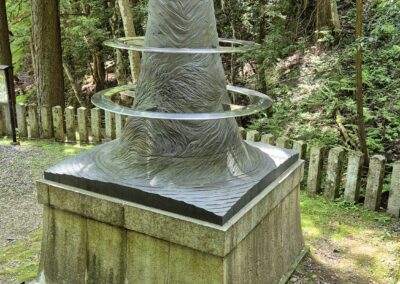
pixel 307 63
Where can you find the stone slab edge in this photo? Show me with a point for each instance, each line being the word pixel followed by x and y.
pixel 285 278
pixel 196 234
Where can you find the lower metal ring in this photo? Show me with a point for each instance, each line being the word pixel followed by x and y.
pixel 260 102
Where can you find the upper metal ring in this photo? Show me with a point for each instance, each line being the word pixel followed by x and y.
pixel 260 102
pixel 137 44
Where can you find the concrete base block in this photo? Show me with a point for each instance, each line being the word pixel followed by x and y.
pixel 92 238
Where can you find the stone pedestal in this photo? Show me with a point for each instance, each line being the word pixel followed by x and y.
pixel 93 238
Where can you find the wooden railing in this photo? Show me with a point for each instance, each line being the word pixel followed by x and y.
pixel 333 172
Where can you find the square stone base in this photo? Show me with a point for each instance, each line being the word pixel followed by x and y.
pixel 92 238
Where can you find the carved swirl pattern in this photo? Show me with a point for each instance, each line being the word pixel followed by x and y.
pixel 181 154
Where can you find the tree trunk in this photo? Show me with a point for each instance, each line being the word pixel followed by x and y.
pixel 120 73
pixel 5 51
pixel 327 14
pixel 359 83
pixel 48 53
pixel 129 28
pixel 76 88
pixel 261 22
pixel 99 72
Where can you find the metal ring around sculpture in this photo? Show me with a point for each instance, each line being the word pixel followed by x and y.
pixel 137 44
pixel 103 100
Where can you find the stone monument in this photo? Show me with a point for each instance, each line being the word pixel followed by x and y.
pixel 179 197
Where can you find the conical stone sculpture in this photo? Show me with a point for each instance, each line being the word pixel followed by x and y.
pixel 198 168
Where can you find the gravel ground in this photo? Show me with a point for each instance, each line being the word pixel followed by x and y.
pixel 19 211
pixel 21 166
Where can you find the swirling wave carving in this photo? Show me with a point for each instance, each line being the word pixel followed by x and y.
pixel 181 154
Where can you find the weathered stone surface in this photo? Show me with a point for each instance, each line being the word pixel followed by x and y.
pixel 95 119
pixel 274 243
pixel 268 139
pixel 82 125
pixel 283 142
pixel 33 121
pixel 46 122
pixel 353 180
pixel 42 190
pixel 81 202
pixel 58 123
pixel 6 118
pixel 106 253
pixel 258 246
pixel 119 124
pixel 64 247
pixel 253 135
pixel 301 148
pixel 110 125
pixel 394 197
pixel 147 259
pixel 315 170
pixel 70 123
pixel 21 120
pixel 199 235
pixel 190 266
pixel 113 240
pixel 334 172
pixel 3 127
pixel 374 182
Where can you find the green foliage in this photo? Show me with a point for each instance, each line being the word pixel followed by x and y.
pixel 84 29
pixel 308 106
pixel 19 22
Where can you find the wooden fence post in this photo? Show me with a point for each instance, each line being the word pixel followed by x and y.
pixel 58 123
pixel 301 148
pixel 33 122
pixel 21 120
pixel 373 190
pixel 3 129
pixel 70 123
pixel 110 125
pixel 95 121
pixel 46 122
pixel 315 170
pixel 353 177
pixel 334 172
pixel 283 142
pixel 82 125
pixel 268 139
pixel 253 135
pixel 394 196
pixel 119 124
pixel 7 120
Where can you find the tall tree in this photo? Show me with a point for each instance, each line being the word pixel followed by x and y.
pixel 359 82
pixel 47 51
pixel 327 14
pixel 129 28
pixel 5 51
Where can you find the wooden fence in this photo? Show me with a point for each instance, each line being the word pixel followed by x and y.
pixel 336 172
pixel 71 125
pixel 328 171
